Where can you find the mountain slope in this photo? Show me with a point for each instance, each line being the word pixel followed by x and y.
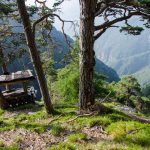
pixel 127 54
pixel 110 73
pixel 143 76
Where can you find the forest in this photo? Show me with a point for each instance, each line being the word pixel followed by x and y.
pixel 68 84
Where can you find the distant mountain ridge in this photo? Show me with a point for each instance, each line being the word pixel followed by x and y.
pixel 127 54
pixel 143 76
pixel 111 74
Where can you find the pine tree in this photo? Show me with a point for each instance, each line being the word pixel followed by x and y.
pixel 110 13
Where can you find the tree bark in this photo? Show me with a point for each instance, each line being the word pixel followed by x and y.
pixel 4 65
pixel 87 62
pixel 35 55
pixel 3 102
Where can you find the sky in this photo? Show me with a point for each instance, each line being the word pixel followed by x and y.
pixel 69 11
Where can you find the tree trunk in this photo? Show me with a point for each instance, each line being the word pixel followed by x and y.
pixel 4 66
pixel 3 102
pixel 35 55
pixel 87 62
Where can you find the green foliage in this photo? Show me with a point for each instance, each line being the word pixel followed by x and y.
pixel 145 104
pixel 64 83
pixel 128 91
pixel 8 37
pixel 145 2
pixel 127 87
pixel 101 87
pixel 12 38
pixel 50 71
pixel 67 83
pixel 146 90
pixel 33 10
pixel 132 30
pixel 5 8
pixel 140 103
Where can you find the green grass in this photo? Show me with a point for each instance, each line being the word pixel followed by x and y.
pixel 77 137
pixel 1 112
pixel 109 145
pixel 125 134
pixel 2 144
pixel 130 132
pixel 6 125
pixel 56 129
pixel 63 146
pixel 13 146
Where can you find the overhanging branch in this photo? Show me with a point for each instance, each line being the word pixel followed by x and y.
pixel 110 23
pixel 60 19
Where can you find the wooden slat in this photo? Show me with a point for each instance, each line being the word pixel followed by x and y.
pixel 2 78
pixel 17 76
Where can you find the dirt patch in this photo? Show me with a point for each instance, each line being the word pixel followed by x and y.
pixel 96 133
pixel 28 140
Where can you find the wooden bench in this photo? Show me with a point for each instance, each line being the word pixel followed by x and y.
pixel 15 97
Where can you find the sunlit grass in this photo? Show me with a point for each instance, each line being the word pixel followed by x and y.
pixel 130 132
pixel 125 134
pixel 77 137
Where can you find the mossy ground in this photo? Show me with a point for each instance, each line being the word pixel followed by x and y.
pixel 118 132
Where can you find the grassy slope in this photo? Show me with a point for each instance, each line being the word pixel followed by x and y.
pixel 110 131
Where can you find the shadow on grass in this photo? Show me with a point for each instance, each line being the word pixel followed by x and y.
pixel 27 107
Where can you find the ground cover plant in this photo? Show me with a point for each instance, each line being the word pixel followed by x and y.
pixel 31 127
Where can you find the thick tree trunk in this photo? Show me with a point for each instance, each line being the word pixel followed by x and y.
pixel 35 55
pixel 87 12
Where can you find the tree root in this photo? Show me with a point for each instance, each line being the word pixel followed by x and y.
pixel 84 115
pixel 55 119
pixel 134 131
pixel 137 118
